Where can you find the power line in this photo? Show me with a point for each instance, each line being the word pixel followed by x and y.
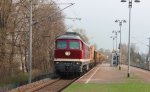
pixel 138 41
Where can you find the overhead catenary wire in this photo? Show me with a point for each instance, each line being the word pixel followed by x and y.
pixel 141 42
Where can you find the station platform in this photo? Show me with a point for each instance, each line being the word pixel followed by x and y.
pixel 105 74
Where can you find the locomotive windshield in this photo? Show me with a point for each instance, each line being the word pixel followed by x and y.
pixel 61 44
pixel 74 45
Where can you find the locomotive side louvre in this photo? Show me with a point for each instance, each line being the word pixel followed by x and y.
pixel 92 56
pixel 95 57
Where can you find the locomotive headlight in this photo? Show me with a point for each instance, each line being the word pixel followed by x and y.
pixel 67 53
pixel 57 62
pixel 78 63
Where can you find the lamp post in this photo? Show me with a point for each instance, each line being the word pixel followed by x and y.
pixel 113 37
pixel 149 54
pixel 130 6
pixel 120 25
pixel 116 33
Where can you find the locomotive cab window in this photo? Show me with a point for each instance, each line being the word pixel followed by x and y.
pixel 61 44
pixel 74 45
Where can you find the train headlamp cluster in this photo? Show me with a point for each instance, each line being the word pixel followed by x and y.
pixel 57 62
pixel 67 53
pixel 77 63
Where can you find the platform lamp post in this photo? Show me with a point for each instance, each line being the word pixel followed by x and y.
pixel 116 34
pixel 130 6
pixel 113 37
pixel 149 54
pixel 120 25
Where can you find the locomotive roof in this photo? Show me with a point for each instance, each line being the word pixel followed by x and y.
pixel 71 35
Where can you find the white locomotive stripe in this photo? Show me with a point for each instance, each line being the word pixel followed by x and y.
pixel 83 60
pixel 92 75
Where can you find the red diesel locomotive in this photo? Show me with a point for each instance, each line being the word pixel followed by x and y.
pixel 72 54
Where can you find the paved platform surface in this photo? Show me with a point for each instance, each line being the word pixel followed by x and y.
pixel 105 74
pixel 141 74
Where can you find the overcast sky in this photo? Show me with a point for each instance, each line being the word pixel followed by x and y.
pixel 98 18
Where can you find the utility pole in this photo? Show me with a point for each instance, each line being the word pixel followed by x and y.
pixel 112 60
pixel 113 37
pixel 149 55
pixel 116 33
pixel 117 62
pixel 129 50
pixel 30 45
pixel 30 35
pixel 120 48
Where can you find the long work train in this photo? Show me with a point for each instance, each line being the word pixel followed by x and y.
pixel 73 55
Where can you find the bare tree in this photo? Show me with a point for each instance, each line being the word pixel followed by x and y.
pixel 124 53
pixel 14 36
pixel 82 32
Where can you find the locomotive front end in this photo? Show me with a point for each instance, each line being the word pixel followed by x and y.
pixel 72 54
pixel 68 54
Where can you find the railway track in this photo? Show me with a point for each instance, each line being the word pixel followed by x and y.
pixel 48 85
pixel 56 86
pixel 139 67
